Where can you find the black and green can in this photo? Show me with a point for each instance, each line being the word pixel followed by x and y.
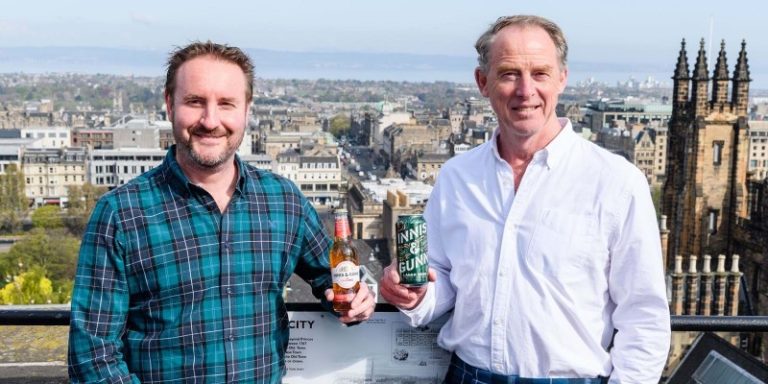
pixel 411 240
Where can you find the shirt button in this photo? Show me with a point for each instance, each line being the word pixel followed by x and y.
pixel 498 367
pixel 229 291
pixel 497 321
pixel 231 337
pixel 502 273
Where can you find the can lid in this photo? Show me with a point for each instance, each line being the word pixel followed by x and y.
pixel 411 215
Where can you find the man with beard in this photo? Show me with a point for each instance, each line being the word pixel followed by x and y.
pixel 182 270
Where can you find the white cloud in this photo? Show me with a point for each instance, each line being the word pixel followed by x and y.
pixel 143 19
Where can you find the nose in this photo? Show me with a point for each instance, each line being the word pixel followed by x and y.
pixel 210 118
pixel 525 86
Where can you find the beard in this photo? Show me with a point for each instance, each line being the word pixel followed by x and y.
pixel 186 146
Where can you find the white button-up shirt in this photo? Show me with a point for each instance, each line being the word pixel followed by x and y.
pixel 540 278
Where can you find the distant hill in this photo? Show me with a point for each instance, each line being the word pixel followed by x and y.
pixel 315 65
pixel 269 64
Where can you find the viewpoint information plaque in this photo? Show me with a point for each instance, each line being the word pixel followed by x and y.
pixel 385 349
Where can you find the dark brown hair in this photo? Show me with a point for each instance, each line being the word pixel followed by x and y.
pixel 224 52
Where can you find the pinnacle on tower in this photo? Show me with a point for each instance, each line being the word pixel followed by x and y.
pixel 721 67
pixel 681 71
pixel 700 71
pixel 741 72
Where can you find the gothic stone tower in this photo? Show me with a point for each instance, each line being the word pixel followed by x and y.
pixel 705 190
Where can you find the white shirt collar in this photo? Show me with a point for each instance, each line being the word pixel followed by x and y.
pixel 554 152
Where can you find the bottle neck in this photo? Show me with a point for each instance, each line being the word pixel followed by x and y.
pixel 342 229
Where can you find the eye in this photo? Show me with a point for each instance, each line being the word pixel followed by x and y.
pixel 195 101
pixel 541 75
pixel 511 75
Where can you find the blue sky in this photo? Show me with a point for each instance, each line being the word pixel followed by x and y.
pixel 597 31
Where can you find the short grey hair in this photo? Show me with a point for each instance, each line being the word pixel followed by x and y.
pixel 483 44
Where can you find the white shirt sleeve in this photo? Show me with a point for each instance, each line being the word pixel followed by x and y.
pixel 441 295
pixel 637 287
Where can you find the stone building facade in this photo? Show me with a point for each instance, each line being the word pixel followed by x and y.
pixel 705 191
pixel 714 207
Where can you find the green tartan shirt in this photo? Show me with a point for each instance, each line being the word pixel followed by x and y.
pixel 169 289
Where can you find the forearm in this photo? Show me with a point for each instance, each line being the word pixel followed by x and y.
pixel 94 359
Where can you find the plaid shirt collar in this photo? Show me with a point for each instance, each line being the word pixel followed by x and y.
pixel 181 183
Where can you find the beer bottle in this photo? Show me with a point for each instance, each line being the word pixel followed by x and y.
pixel 345 267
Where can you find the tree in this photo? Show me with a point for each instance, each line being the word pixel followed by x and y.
pixel 656 197
pixel 31 287
pixel 14 202
pixel 340 125
pixel 82 199
pixel 53 250
pixel 48 217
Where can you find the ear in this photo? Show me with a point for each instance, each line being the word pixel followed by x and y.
pixel 169 106
pixel 563 79
pixel 482 81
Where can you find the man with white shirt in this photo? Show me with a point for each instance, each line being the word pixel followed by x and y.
pixel 545 246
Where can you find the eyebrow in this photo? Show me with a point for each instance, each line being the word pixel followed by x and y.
pixel 228 99
pixel 191 97
pixel 537 68
pixel 198 97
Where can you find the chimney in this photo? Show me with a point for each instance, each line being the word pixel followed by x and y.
pixel 693 287
pixel 706 284
pixel 677 286
pixel 733 288
pixel 720 279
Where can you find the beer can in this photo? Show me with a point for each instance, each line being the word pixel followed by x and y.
pixel 411 244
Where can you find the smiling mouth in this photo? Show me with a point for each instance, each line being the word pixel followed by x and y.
pixel 525 109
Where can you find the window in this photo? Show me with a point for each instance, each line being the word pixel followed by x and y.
pixel 717 152
pixel 712 222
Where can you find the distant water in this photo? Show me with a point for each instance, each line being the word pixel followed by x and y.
pixel 461 76
pixel 335 66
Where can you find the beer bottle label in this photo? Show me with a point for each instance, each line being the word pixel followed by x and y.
pixel 346 274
